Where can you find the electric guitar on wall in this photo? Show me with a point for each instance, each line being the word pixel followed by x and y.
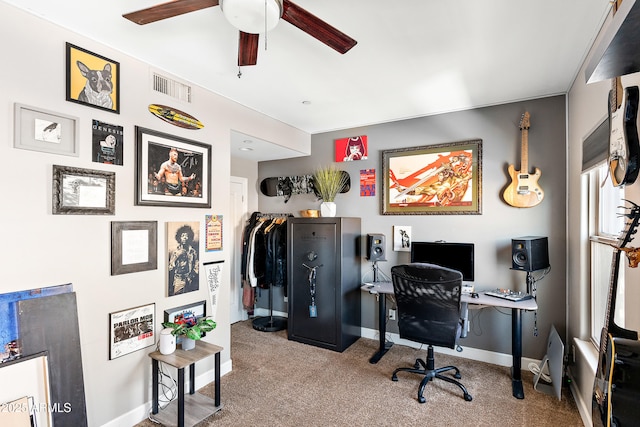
pixel 616 389
pixel 523 191
pixel 624 146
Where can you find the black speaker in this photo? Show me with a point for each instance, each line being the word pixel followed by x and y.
pixel 530 253
pixel 376 247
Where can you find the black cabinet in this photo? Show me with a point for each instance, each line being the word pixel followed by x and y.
pixel 323 266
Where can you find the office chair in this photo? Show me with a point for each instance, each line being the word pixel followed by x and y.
pixel 428 302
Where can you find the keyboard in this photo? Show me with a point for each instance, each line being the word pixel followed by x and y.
pixel 508 294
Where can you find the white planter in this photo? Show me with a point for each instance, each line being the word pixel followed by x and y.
pixel 328 209
pixel 188 343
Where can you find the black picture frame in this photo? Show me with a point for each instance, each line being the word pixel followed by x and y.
pixel 83 65
pixel 152 150
pixel 134 246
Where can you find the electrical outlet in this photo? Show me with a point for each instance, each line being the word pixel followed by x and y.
pixel 392 314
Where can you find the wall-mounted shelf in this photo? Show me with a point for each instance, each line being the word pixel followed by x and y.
pixel 618 53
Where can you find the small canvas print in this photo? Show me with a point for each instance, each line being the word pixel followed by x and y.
pixel 350 149
pixel 183 253
pixel 402 238
pixel 107 143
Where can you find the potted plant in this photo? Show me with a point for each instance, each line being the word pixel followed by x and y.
pixel 190 331
pixel 328 182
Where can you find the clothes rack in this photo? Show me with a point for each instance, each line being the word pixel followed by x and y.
pixel 270 323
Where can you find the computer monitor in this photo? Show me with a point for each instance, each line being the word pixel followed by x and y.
pixel 456 256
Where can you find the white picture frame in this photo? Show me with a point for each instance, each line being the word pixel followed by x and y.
pixel 37 129
pixel 402 238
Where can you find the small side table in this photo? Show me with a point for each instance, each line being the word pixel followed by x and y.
pixel 198 407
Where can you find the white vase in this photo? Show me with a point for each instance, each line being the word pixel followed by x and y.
pixel 328 209
pixel 188 343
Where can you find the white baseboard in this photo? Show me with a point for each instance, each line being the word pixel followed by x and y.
pixel 141 413
pixel 492 357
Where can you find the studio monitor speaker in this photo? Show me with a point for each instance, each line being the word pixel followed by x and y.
pixel 376 247
pixel 530 253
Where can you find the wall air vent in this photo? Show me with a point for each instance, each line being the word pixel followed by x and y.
pixel 171 87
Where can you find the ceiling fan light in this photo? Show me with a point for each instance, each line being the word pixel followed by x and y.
pixel 249 15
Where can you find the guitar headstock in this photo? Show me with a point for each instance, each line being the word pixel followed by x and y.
pixel 633 218
pixel 524 121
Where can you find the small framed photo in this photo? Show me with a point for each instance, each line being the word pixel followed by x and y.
pixel 172 171
pixel 433 179
pixel 402 238
pixel 41 130
pixel 134 246
pixel 83 191
pixel 188 314
pixel 131 330
pixel 92 79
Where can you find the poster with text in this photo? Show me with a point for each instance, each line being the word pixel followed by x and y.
pixel 367 182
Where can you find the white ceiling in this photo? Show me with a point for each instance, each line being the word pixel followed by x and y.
pixel 413 58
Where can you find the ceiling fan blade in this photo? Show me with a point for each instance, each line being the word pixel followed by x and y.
pixel 247 49
pixel 168 10
pixel 316 27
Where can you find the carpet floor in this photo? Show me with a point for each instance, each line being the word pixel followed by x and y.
pixel 277 382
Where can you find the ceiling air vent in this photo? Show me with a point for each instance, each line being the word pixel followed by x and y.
pixel 171 87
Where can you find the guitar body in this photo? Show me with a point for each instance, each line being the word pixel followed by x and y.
pixel 624 145
pixel 524 191
pixel 617 385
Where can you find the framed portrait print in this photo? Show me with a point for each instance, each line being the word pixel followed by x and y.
pixel 41 130
pixel 134 246
pixel 92 79
pixel 83 191
pixel 131 330
pixel 171 171
pixel 433 179
pixel 183 255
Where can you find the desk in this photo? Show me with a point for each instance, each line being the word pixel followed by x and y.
pixel 199 406
pixel 386 287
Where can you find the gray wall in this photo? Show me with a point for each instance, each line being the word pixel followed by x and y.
pixel 492 231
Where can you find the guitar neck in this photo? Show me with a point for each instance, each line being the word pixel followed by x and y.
pixel 524 155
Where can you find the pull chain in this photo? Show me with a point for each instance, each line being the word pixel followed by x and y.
pixel 313 310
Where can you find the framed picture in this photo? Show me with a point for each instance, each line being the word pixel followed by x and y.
pixel 83 191
pixel 41 130
pixel 107 143
pixel 134 246
pixel 92 79
pixel 402 238
pixel 171 171
pixel 131 330
pixel 213 231
pixel 433 179
pixel 183 255
pixel 189 313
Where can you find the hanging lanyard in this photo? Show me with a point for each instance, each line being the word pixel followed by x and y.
pixel 313 309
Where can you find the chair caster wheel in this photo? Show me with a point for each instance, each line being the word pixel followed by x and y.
pixel 468 397
pixel 457 376
pixel 394 378
pixel 421 399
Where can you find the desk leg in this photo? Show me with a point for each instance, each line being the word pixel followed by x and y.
pixel 217 379
pixel 154 386
pixel 382 330
pixel 181 397
pixel 516 351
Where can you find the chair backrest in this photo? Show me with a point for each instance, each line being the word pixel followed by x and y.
pixel 428 299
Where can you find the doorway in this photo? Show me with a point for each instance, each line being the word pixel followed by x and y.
pixel 238 217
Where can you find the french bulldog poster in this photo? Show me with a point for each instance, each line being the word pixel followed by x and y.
pixel 92 79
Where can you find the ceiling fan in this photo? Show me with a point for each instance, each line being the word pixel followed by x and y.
pixel 251 17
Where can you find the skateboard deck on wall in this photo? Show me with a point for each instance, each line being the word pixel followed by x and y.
pixel 289 185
